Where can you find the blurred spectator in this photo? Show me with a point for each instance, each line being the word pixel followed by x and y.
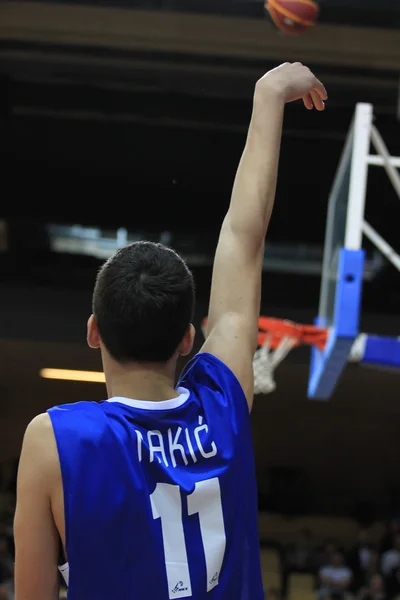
pixel 391 557
pixel 324 554
pixel 388 539
pixel 374 591
pixel 373 567
pixel 393 584
pixel 273 594
pixel 358 559
pixel 334 578
pixel 300 558
pixel 4 595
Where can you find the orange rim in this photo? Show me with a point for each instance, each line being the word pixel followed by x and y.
pixel 274 330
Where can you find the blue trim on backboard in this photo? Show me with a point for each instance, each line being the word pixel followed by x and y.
pixel 381 351
pixel 327 365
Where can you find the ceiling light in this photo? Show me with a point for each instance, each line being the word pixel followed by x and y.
pixel 70 375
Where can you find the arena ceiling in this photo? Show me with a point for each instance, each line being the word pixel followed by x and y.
pixel 201 54
pixel 182 73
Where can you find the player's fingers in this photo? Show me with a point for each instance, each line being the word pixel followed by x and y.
pixel 308 103
pixel 320 88
pixel 316 99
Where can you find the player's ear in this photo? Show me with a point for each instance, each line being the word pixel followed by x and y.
pixel 186 345
pixel 93 336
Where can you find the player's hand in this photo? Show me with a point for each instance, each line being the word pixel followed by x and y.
pixel 294 81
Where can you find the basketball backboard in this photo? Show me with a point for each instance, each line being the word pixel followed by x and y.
pixel 343 262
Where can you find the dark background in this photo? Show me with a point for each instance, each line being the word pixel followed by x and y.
pixel 144 130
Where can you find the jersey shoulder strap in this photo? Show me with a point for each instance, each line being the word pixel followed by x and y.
pixel 206 375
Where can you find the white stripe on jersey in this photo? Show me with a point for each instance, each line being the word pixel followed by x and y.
pixel 64 570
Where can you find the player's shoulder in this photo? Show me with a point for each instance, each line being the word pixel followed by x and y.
pixel 207 371
pixel 39 442
pixel 40 430
pixel 75 412
pixel 76 418
pixel 205 365
pixel 39 427
pixel 82 406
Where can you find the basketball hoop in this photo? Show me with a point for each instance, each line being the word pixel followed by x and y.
pixel 276 338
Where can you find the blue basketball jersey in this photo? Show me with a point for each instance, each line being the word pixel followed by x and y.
pixel 160 497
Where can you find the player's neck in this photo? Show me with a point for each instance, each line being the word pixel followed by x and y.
pixel 150 382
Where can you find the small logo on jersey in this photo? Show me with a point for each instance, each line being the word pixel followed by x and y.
pixel 179 588
pixel 214 578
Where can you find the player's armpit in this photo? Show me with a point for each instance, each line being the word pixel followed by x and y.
pixel 36 537
pixel 231 341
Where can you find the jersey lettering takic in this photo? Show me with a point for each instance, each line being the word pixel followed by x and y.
pixel 160 497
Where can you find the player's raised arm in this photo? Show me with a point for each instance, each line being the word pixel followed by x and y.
pixel 236 282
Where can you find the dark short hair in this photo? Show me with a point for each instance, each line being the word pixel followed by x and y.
pixel 143 302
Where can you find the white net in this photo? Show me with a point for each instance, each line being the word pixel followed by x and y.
pixel 266 361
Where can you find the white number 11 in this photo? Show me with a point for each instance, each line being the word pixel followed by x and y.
pixel 205 501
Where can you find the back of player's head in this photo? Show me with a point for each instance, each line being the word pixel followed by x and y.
pixel 143 302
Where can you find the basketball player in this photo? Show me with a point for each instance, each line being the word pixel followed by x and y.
pixel 152 492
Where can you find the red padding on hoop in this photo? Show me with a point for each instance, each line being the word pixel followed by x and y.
pixel 277 329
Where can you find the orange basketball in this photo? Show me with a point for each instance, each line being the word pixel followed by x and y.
pixel 293 16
